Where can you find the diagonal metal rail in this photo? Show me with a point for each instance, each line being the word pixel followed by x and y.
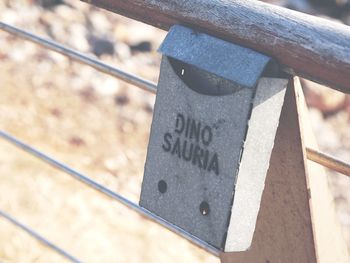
pixel 79 57
pixel 39 237
pixel 328 161
pixel 313 155
pixel 104 190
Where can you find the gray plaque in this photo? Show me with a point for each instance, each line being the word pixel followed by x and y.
pixel 198 131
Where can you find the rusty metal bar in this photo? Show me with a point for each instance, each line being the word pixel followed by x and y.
pixel 309 46
pixel 328 161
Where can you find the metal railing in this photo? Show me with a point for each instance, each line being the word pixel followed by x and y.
pixel 316 156
pixel 304 45
pixel 313 155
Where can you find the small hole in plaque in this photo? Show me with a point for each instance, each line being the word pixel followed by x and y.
pixel 162 186
pixel 204 208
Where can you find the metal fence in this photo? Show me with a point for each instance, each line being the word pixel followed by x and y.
pixel 312 154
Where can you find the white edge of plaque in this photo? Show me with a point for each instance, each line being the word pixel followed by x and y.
pixel 258 145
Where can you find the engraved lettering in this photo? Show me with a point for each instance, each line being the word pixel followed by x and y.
pixel 191 142
pixel 195 130
pixel 197 156
pixel 206 135
pixel 205 161
pixel 176 149
pixel 180 123
pixel 187 126
pixel 214 164
pixel 189 152
pixel 167 146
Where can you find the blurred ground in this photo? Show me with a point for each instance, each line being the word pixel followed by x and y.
pixel 99 126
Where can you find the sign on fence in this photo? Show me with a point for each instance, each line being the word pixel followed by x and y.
pixel 209 134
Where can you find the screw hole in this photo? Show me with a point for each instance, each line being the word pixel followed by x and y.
pixel 204 208
pixel 182 72
pixel 162 186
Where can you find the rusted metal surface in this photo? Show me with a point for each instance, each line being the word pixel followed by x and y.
pixel 309 46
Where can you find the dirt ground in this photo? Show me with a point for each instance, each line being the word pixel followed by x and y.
pixel 99 126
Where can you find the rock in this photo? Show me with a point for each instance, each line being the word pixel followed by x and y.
pixel 56 112
pixel 327 135
pixel 88 94
pixel 332 8
pixel 122 50
pixel 121 100
pixel 347 105
pixel 105 86
pixel 99 23
pixel 346 18
pixel 101 46
pixel 148 108
pixel 67 15
pixel 143 46
pixel 330 3
pixel 326 100
pixel 76 141
pixel 300 5
pixel 79 83
pixel 22 52
pixel 77 34
pixel 9 16
pixel 48 3
pixel 135 32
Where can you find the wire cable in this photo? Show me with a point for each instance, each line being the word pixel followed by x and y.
pixel 102 189
pixel 328 161
pixel 313 155
pixel 79 57
pixel 39 237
